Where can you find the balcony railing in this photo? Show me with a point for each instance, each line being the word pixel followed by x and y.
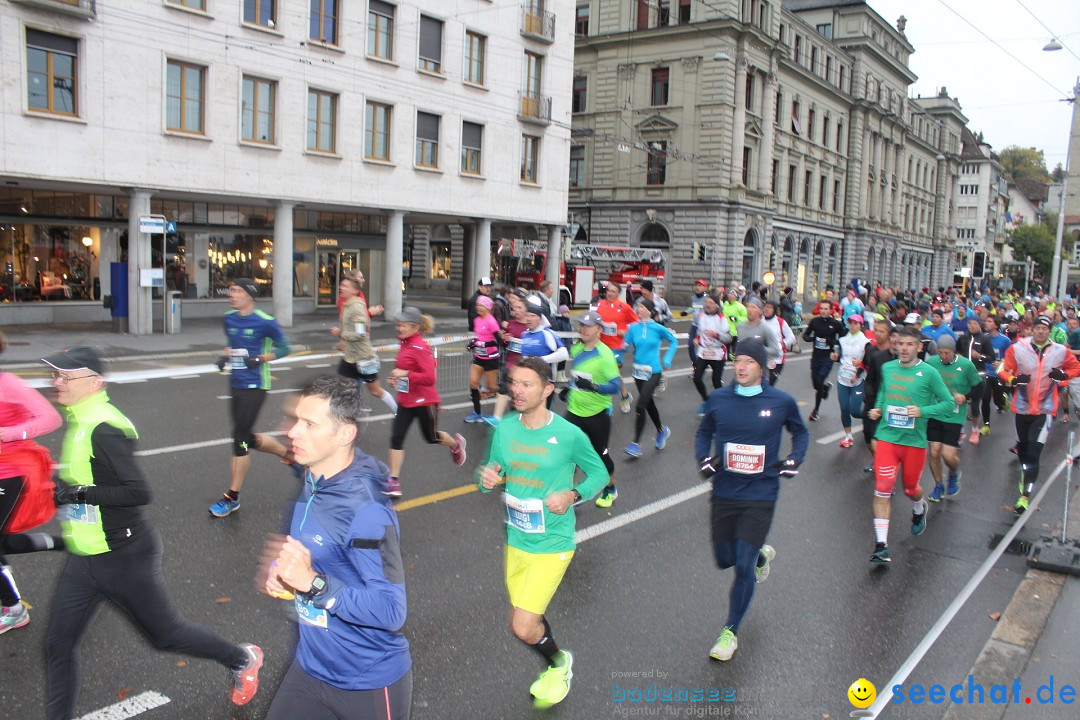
pixel 79 8
pixel 538 25
pixel 534 108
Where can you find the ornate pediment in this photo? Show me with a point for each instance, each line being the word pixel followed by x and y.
pixel 657 125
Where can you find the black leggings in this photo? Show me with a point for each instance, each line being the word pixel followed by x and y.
pixel 994 390
pixel 700 366
pixel 774 373
pixel 1031 432
pixel 10 489
pixel 598 429
pixel 129 577
pixel 425 414
pixel 819 375
pixel 302 696
pixel 645 404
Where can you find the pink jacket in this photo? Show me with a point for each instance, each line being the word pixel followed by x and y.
pixel 24 414
pixel 415 356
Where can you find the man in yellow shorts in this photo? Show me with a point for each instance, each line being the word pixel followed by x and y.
pixel 534 454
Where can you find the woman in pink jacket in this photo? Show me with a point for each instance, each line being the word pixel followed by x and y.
pixel 24 414
pixel 414 379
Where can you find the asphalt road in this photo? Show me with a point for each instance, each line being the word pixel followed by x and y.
pixel 641 603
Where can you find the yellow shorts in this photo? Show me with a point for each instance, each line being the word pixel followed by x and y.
pixel 533 578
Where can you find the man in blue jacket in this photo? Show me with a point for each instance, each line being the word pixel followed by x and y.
pixel 738 446
pixel 341 566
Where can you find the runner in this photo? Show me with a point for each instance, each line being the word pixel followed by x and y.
pixel 944 435
pixel 595 378
pixel 645 337
pixel 115 551
pixel 414 377
pixel 995 389
pixel 850 378
pixel 697 305
pixel 254 340
pixel 823 330
pixel 910 393
pixel 1072 323
pixel 539 340
pixel 735 312
pixel 24 466
pixel 873 359
pixel 359 363
pixel 1034 366
pixel 663 310
pixel 342 565
pixel 617 316
pixel 754 325
pixel 712 338
pixel 738 448
pixel 486 354
pixel 534 454
pixel 510 335
pixel 974 345
pixel 782 330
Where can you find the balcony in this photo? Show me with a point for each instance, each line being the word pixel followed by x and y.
pixel 79 8
pixel 534 108
pixel 538 25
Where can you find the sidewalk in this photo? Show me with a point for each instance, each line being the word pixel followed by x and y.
pixel 204 338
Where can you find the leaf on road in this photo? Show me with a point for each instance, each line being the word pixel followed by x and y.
pixel 223 600
pixel 123 693
pixel 995 616
pixel 181 663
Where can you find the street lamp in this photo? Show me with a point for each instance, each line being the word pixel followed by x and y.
pixel 1052 46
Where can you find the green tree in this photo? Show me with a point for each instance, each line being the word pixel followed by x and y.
pixel 1059 173
pixel 1023 163
pixel 1036 242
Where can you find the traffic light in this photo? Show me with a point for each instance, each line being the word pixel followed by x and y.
pixel 978 265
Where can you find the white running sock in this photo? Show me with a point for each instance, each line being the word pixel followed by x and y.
pixel 919 508
pixel 881 530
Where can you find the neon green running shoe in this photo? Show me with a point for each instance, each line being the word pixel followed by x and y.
pixel 554 683
pixel 762 571
pixel 607 497
pixel 725 645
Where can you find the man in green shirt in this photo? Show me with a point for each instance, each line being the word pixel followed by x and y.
pixel 735 312
pixel 534 455
pixel 911 392
pixel 595 379
pixel 961 377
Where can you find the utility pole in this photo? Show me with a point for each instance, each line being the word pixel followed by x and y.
pixel 1057 278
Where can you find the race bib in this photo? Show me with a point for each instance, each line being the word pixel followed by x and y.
pixel 402 384
pixel 310 614
pixel 369 367
pixel 744 459
pixel 846 374
pixel 609 328
pixel 896 416
pixel 526 515
pixel 238 355
pixel 820 343
pixel 361 328
pixel 514 346
pixel 642 372
pixel 82 513
pixel 708 352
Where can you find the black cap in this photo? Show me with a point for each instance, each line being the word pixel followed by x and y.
pixel 1044 320
pixel 247 285
pixel 77 358
pixel 646 285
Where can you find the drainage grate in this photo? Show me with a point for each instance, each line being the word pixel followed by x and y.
pixel 1016 547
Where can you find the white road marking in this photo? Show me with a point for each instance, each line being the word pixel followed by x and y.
pixel 129 707
pixel 318 365
pixel 602 528
pixel 830 439
pixel 183 377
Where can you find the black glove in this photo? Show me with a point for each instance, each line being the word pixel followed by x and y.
pixel 707 467
pixel 684 313
pixel 584 384
pixel 65 494
pixel 788 468
pixel 1022 379
pixel 564 393
pixel 1058 375
pixel 253 362
pixel 222 362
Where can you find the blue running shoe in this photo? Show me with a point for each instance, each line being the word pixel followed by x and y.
pixel 954 484
pixel 936 493
pixel 224 506
pixel 633 450
pixel 491 420
pixel 474 417
pixel 701 410
pixel 662 437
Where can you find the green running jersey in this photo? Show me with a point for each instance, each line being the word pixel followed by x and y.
pixel 960 376
pixel 600 367
pixel 919 385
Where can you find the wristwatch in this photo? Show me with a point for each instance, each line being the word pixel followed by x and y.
pixel 577 496
pixel 318 586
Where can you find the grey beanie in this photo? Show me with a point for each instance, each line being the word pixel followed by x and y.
pixel 946 342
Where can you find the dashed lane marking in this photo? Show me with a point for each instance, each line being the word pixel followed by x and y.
pixel 129 707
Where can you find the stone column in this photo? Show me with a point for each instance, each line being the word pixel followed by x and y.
pixel 738 123
pixel 140 305
pixel 898 194
pixel 481 251
pixel 554 257
pixel 765 152
pixel 283 263
pixel 395 241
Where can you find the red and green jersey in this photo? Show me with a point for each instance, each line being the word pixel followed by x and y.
pixel 900 387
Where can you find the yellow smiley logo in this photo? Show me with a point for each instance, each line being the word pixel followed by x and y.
pixel 862 693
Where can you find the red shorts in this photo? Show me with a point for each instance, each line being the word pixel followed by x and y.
pixel 887 461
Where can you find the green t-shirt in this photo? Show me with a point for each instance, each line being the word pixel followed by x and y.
pixel 900 386
pixel 538 463
pixel 960 376
pixel 600 367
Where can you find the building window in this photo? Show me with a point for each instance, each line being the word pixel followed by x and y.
pixel 656 167
pixel 839 136
pixel 530 158
pixel 324 21
pixel 792 173
pixel 749 94
pixel 257 106
pixel 684 12
pixel 777 108
pixel 825 31
pixel 430 44
pixel 643 14
pixel 184 97
pixel 796 126
pixel 836 196
pixel 840 81
pixel 192 4
pixel 663 15
pixel 581 20
pixel 577 101
pixel 810 114
pixel 377 131
pixel 813 59
pixel 823 188
pixel 659 92
pixel 828 69
pixel 747 155
pixel 472 144
pixel 808 188
pixel 261 12
pixel 51 72
pixel 577 166
pixel 825 131
pixel 380 29
pixel 796 52
pixel 427 140
pixel 440 260
pixel 322 115
pixel 534 75
pixel 475 55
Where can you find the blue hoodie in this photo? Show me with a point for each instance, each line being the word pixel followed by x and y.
pixel 645 338
pixel 350 637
